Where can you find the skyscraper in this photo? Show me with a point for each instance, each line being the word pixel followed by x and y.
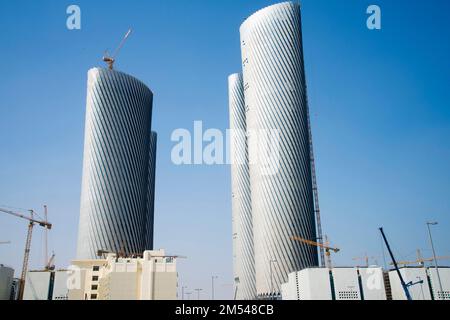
pixel 115 184
pixel 275 101
pixel 244 260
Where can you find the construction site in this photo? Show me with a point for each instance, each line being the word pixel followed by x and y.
pixel 277 221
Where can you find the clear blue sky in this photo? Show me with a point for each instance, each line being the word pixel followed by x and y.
pixel 379 102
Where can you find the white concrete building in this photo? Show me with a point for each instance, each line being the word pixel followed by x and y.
pixel 6 281
pixel 37 285
pixel 444 274
pixel 366 284
pixel 60 289
pixel 372 283
pixel 420 288
pixel 346 284
pixel 422 283
pixel 337 284
pixel 308 284
pixel 153 277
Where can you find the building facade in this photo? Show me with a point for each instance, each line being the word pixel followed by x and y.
pixel 279 166
pixel 6 282
pixel 115 197
pixel 38 285
pixel 152 277
pixel 46 285
pixel 366 284
pixel 243 253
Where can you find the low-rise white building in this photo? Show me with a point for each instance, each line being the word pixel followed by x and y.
pixel 423 283
pixel 346 284
pixel 152 277
pixel 37 285
pixel 336 284
pixel 372 283
pixel 308 284
pixel 444 274
pixel 60 289
pixel 419 287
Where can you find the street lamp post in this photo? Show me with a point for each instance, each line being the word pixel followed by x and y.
pixel 434 256
pixel 271 278
pixel 182 292
pixel 198 293
pixel 212 286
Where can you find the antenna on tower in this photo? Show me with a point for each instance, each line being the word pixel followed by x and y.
pixel 111 59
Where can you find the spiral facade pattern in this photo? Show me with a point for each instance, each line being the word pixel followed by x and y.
pixel 275 98
pixel 114 195
pixel 243 254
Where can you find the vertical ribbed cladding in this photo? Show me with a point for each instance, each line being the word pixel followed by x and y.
pixel 275 95
pixel 244 266
pixel 151 191
pixel 115 167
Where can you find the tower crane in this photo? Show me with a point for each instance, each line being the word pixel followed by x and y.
pixel 31 223
pixel 111 59
pixel 366 259
pixel 325 246
pixel 420 260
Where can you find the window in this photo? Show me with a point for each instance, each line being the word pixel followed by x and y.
pixel 94 287
pixel 93 296
pixel 96 268
pixel 95 278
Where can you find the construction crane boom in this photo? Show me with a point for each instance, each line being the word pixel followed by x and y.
pixel 32 222
pixel 402 281
pixel 111 59
pixel 5 242
pixel 420 260
pixel 324 246
pixel 31 219
pixel 317 244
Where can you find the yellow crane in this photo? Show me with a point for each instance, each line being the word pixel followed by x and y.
pixel 31 223
pixel 420 260
pixel 111 59
pixel 366 259
pixel 325 246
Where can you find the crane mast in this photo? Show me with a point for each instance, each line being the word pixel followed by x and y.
pixel 315 190
pixel 26 257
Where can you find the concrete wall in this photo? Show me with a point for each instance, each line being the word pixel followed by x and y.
pixel 37 285
pixel 165 286
pixel 444 274
pixel 308 284
pixel 372 283
pixel 418 291
pixel 346 284
pixel 60 288
pixel 6 280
